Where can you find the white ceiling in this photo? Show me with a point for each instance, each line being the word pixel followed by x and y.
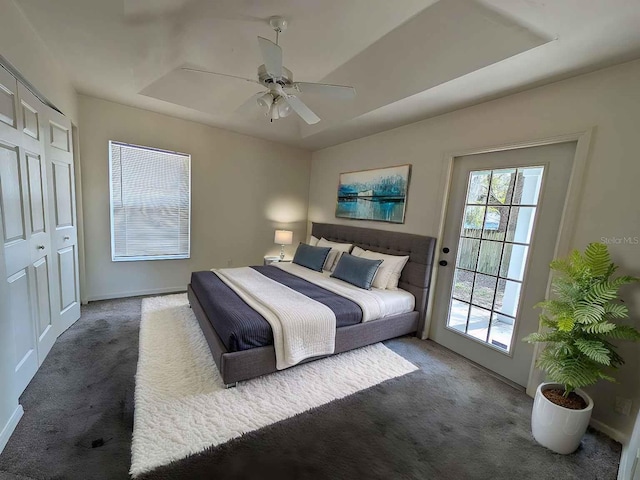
pixel 408 59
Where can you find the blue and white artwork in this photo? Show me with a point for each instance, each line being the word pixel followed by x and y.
pixel 378 194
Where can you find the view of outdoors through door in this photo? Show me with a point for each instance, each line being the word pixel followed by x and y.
pixel 497 226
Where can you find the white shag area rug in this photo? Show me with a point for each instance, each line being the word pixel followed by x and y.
pixel 182 407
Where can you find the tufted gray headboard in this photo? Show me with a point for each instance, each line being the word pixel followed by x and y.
pixel 416 275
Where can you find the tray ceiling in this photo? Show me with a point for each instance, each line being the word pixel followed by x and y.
pixel 408 60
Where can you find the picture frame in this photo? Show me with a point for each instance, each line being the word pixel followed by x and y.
pixel 377 194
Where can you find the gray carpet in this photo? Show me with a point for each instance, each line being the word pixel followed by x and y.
pixel 450 420
pixel 83 392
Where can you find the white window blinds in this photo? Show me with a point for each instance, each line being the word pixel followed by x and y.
pixel 150 203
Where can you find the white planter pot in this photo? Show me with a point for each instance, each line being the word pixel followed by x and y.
pixel 558 428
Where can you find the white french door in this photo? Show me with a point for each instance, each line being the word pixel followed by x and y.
pixel 503 216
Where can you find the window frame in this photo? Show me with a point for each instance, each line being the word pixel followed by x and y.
pixel 141 258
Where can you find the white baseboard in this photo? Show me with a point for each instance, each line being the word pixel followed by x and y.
pixel 11 425
pixel 137 293
pixel 617 435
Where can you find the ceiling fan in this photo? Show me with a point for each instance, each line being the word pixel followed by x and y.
pixel 279 100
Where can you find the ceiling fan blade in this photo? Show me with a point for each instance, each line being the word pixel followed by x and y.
pixel 302 110
pixel 272 56
pixel 251 105
pixel 197 70
pixel 336 91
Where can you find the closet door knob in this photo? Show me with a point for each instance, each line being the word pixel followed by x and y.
pixel 66 237
pixel 443 263
pixel 40 247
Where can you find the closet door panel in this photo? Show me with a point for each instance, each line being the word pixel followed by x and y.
pixel 13 209
pixel 41 274
pixel 24 339
pixel 12 203
pixel 31 116
pixel 30 121
pixel 36 194
pixel 8 111
pixel 66 260
pixel 16 238
pixel 64 237
pixel 62 183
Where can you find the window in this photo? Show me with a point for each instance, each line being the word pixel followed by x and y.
pixel 150 203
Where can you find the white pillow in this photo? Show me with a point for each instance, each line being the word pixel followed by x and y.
pixel 337 249
pixel 357 251
pixel 313 241
pixel 389 271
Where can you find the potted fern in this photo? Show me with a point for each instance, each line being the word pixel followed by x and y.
pixel 577 326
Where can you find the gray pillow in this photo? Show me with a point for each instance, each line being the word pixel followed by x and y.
pixel 356 271
pixel 311 257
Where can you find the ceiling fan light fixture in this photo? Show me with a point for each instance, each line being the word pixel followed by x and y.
pixel 265 101
pixel 284 109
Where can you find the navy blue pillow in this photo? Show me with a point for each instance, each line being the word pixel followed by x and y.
pixel 311 257
pixel 356 270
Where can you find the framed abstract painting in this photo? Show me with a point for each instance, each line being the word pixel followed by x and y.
pixel 379 194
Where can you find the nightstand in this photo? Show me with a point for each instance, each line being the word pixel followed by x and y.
pixel 271 259
pixel 274 259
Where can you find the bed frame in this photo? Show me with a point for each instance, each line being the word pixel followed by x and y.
pixel 415 278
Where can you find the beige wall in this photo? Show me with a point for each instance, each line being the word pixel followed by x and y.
pixel 243 189
pixel 608 99
pixel 23 48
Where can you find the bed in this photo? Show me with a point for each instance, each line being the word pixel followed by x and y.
pixel 253 356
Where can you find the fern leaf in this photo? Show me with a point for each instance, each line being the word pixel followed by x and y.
pixel 548 322
pixel 595 350
pixel 598 259
pixel 570 371
pixel 603 328
pixel 589 313
pixel 603 292
pixel 623 332
pixel 561 265
pixel 616 310
pixel 625 280
pixel 566 324
pixel 542 337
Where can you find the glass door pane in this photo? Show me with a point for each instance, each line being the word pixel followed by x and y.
pixel 493 247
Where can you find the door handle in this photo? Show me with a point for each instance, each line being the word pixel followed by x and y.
pixel 443 263
pixel 40 247
pixel 66 237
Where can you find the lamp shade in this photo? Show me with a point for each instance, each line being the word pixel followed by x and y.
pixel 283 237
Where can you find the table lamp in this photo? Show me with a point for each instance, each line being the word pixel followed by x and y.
pixel 282 238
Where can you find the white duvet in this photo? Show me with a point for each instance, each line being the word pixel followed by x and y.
pixel 375 303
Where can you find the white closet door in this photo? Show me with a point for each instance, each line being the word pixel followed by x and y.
pixel 16 241
pixel 64 236
pixel 39 225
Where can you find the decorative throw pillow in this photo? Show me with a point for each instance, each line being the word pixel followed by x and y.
pixel 311 257
pixel 357 271
pixel 337 249
pixel 389 272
